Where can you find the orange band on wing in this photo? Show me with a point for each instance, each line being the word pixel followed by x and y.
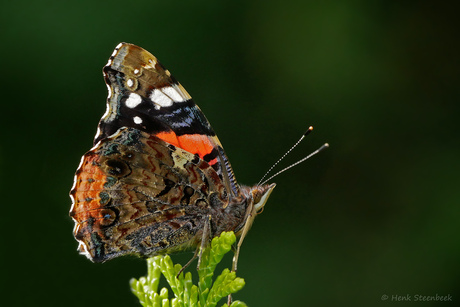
pixel 194 143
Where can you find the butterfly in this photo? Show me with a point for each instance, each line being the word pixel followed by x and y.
pixel 157 179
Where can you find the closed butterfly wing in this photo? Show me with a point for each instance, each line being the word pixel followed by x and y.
pixel 136 194
pixel 157 179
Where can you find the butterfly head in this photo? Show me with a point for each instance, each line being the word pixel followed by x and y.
pixel 260 194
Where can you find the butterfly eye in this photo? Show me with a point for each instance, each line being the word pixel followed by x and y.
pixel 256 196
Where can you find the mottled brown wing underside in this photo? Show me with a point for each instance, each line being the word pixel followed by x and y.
pixel 136 194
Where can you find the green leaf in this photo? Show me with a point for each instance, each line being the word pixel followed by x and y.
pixel 210 259
pixel 206 294
pixel 238 304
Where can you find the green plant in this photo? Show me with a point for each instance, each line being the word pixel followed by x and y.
pixel 206 294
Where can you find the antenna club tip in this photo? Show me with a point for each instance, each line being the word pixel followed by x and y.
pixel 325 145
pixel 310 129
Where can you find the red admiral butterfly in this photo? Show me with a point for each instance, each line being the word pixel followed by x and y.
pixel 157 179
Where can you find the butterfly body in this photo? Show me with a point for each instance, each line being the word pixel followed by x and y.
pixel 157 179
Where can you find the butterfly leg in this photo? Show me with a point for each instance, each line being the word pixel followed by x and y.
pixel 249 219
pixel 235 256
pixel 199 250
pixel 204 239
pixel 188 263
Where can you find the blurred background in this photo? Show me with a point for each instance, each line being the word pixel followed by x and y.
pixel 376 214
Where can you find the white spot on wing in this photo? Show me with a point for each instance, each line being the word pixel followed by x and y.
pixel 160 99
pixel 151 64
pixel 133 100
pixel 172 93
pixel 136 71
pixel 130 82
pixel 137 120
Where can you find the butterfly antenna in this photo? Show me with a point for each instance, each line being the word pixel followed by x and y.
pixel 324 146
pixel 287 152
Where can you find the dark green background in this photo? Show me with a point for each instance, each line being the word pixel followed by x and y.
pixel 376 214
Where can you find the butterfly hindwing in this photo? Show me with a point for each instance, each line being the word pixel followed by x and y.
pixel 136 194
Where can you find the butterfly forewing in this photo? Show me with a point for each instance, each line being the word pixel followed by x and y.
pixel 144 95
